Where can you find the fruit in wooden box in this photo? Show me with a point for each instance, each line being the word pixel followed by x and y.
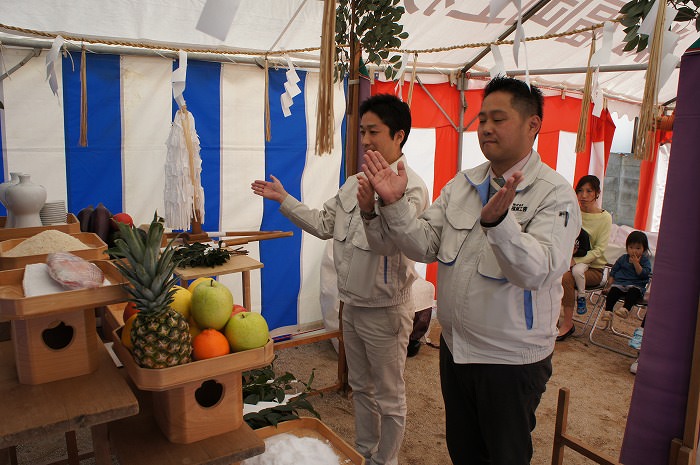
pixel 160 335
pixel 246 330
pixel 211 305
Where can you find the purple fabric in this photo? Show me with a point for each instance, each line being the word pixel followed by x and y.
pixel 657 410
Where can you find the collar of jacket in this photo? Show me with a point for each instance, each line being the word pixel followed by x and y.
pixel 479 175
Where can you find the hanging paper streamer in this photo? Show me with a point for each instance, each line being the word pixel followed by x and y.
pixel 668 60
pixel 648 24
pixel 51 58
pixel 400 73
pixel 217 17
pixel 291 89
pixel 498 66
pixel 519 32
pixel 178 79
pixel 495 7
pixel 602 55
pixel 596 94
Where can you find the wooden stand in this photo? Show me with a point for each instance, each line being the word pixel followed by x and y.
pixel 55 346
pixel 562 439
pixel 200 410
pixel 30 413
pixel 139 441
pixel 200 399
pixel 54 334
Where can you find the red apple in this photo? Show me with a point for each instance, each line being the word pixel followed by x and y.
pixel 129 309
pixel 121 218
pixel 238 309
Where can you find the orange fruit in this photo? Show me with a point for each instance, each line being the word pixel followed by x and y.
pixel 209 343
pixel 126 332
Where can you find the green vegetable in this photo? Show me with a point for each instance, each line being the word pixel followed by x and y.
pixel 261 385
pixel 198 254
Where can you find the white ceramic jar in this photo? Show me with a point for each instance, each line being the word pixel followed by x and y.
pixel 14 179
pixel 25 200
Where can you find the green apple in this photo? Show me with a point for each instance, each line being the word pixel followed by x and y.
pixel 246 330
pixel 211 305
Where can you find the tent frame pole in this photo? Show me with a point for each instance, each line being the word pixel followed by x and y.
pixel 25 42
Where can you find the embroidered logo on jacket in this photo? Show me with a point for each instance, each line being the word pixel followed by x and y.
pixel 519 207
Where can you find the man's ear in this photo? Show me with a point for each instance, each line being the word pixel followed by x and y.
pixel 535 123
pixel 399 135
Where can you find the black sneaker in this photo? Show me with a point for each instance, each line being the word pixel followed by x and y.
pixel 413 348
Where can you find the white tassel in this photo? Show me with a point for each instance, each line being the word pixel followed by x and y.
pixel 181 203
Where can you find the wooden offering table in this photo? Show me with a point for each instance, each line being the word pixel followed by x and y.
pixel 30 412
pixel 139 441
pixel 237 264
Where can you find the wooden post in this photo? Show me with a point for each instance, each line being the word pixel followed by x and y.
pixel 344 387
pixel 684 451
pixel 352 108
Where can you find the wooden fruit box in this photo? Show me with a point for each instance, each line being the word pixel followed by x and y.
pixel 162 379
pixel 308 427
pixel 15 306
pixel 72 226
pixel 95 252
pixel 200 399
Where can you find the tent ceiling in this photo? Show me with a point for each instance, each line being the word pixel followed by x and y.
pixel 432 24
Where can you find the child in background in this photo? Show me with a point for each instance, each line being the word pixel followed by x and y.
pixel 629 276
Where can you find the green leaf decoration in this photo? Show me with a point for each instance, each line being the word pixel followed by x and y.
pixel 262 385
pixel 376 29
pixel 634 12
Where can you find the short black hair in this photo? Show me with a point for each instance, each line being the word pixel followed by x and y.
pixel 527 100
pixel 638 237
pixel 392 111
pixel 589 179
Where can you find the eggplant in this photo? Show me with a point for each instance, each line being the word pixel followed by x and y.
pixel 100 222
pixel 84 218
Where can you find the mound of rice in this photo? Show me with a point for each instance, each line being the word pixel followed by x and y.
pixel 45 242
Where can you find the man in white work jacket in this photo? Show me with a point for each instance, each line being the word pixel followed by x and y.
pixel 501 253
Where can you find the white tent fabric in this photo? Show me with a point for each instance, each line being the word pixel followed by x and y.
pixel 38 125
pixel 259 25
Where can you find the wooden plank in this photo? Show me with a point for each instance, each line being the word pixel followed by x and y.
pixel 262 236
pixel 236 264
pixel 562 439
pixel 72 226
pixel 310 338
pixel 31 412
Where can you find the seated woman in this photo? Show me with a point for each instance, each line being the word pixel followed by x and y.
pixel 588 269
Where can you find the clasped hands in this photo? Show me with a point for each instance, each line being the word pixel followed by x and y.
pixel 390 187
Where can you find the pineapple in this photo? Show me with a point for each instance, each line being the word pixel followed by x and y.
pixel 160 335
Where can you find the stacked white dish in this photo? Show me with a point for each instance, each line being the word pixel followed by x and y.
pixel 53 213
